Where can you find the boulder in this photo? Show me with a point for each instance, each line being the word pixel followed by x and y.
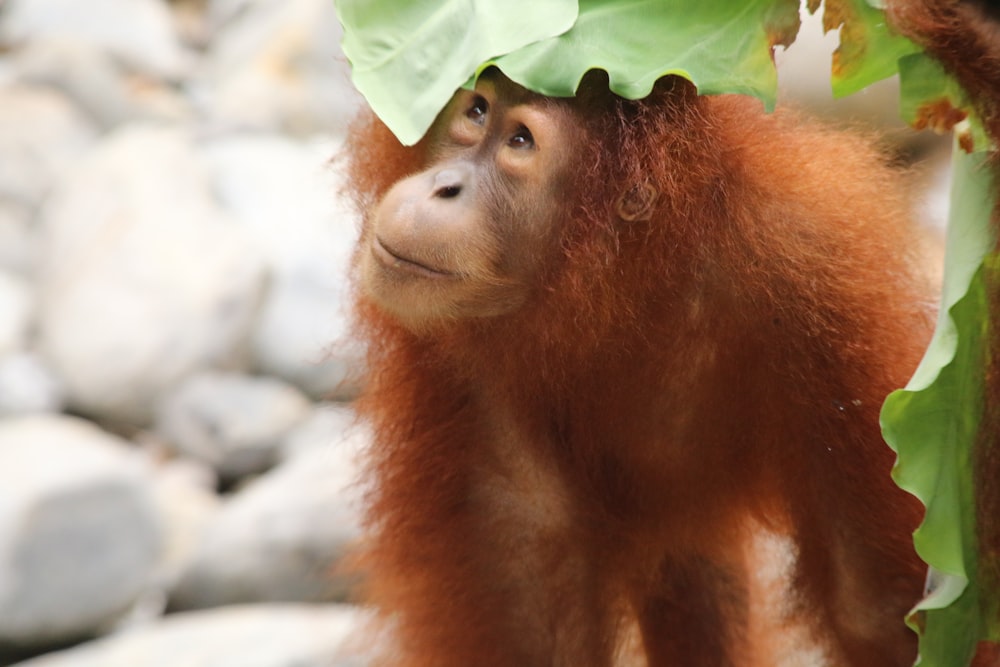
pixel 16 310
pixel 280 538
pixel 79 531
pixel 285 193
pixel 277 65
pixel 144 278
pixel 33 155
pixel 18 237
pixel 27 385
pixel 249 636
pixel 140 33
pixel 232 422
pixel 99 84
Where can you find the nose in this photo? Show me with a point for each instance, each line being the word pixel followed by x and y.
pixel 448 183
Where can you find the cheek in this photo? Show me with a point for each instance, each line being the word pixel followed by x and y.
pixel 535 238
pixel 448 237
pixel 429 261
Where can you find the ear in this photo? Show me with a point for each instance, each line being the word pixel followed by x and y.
pixel 637 203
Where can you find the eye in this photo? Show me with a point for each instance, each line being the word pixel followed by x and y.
pixel 477 110
pixel 521 139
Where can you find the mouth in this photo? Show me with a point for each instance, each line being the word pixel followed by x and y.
pixel 392 259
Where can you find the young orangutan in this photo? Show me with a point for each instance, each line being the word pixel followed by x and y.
pixel 608 340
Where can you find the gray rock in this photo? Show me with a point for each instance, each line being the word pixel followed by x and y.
pixel 80 532
pixel 27 385
pixel 144 279
pixel 277 64
pixel 185 494
pixel 138 32
pixel 18 238
pixel 41 135
pixel 191 22
pixel 281 537
pixel 328 425
pixel 235 423
pixel 98 83
pixel 285 193
pixel 16 310
pixel 251 636
pixel 302 336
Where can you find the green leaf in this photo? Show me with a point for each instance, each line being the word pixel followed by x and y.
pixel 409 56
pixel 723 47
pixel 868 50
pixel 932 425
pixel 949 622
pixel 930 98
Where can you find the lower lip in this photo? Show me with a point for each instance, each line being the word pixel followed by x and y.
pixel 392 261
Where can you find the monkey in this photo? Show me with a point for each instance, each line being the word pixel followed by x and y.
pixel 607 340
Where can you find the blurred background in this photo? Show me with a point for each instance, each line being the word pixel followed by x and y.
pixel 177 452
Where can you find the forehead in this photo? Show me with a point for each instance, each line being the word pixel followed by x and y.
pixel 492 81
pixel 493 85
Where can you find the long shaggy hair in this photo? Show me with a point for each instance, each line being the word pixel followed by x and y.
pixel 811 307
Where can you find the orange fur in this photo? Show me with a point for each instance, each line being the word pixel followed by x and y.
pixel 540 476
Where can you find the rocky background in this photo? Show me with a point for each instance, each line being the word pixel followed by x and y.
pixel 176 446
pixel 173 371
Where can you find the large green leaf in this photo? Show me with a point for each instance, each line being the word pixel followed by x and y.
pixel 723 47
pixel 409 56
pixel 932 424
pixel 935 422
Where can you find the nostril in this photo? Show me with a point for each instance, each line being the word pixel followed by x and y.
pixel 448 182
pixel 448 191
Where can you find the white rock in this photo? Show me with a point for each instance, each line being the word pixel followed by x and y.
pixel 138 32
pixel 98 83
pixel 251 636
pixel 191 22
pixel 277 64
pixel 18 238
pixel 281 537
pixel 188 504
pixel 144 279
pixel 235 423
pixel 41 135
pixel 328 425
pixel 27 385
pixel 287 195
pixel 79 534
pixel 16 310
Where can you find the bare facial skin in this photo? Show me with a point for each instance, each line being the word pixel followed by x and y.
pixel 460 238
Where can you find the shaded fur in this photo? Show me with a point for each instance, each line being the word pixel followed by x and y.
pixel 727 357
